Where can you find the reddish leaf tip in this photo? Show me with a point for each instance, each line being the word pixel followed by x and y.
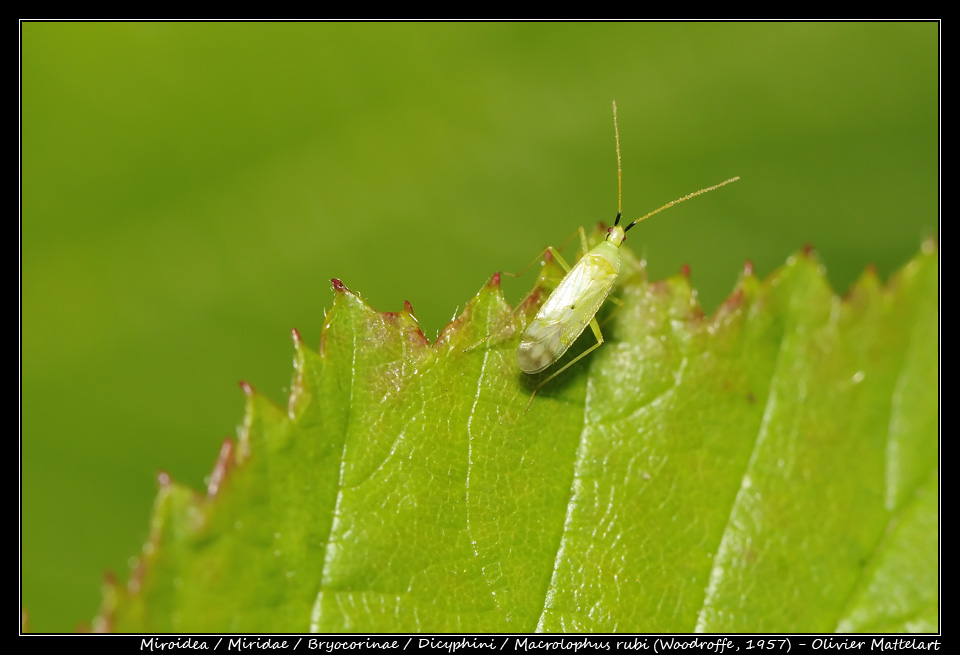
pixel 547 256
pixel 807 249
pixel 495 280
pixel 247 387
pixel 408 307
pixel 748 267
pixel 685 270
pixel 734 300
pixel 163 478
pixel 533 299
pixel 295 333
pixel 338 285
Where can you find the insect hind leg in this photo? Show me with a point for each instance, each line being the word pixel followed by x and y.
pixel 595 328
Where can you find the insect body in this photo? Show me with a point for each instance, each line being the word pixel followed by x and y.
pixel 573 305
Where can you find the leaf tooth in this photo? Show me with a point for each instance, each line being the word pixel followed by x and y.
pixel 679 296
pixel 744 293
pixel 534 299
pixel 808 254
pixel 405 323
pixel 306 363
pixel 489 300
pixel 175 509
pixel 449 330
pixel 244 429
pixel 748 284
pixel 264 421
pixel 110 578
pixel 226 460
pixel 103 621
pixel 866 289
pixel 139 568
pixel 417 335
pixel 733 302
pixel 298 395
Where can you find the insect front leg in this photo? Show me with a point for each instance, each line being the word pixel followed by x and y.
pixel 556 254
pixel 612 313
pixel 584 246
pixel 559 259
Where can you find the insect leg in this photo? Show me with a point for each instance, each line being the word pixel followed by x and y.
pixel 556 254
pixel 613 312
pixel 559 259
pixel 595 327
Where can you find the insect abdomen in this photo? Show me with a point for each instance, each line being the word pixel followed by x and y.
pixel 569 309
pixel 540 346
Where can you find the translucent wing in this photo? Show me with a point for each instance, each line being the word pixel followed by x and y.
pixel 569 309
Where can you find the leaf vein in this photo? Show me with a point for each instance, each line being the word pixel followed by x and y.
pixel 717 573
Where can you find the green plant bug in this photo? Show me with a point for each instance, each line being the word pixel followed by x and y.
pixel 573 305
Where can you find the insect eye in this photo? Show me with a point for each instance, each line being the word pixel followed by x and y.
pixel 609 230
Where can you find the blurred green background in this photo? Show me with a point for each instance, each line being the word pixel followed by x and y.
pixel 189 189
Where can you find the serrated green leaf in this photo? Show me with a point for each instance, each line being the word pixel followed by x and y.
pixel 772 467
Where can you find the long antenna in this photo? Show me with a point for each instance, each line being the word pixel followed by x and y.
pixel 616 131
pixel 679 200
